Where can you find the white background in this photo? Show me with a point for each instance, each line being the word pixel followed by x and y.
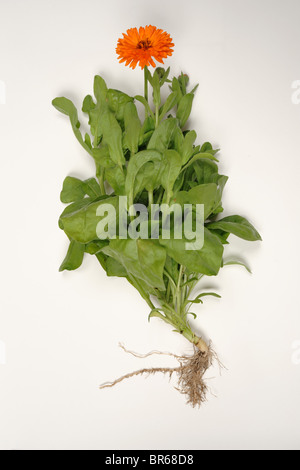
pixel 61 331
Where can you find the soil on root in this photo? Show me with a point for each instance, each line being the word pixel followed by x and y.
pixel 190 373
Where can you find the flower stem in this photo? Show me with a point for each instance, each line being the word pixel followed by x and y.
pixel 146 88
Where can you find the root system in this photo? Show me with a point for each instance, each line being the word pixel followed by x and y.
pixel 190 373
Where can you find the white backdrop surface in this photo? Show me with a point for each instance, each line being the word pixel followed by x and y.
pixel 59 333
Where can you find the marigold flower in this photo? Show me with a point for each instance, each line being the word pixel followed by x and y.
pixel 143 45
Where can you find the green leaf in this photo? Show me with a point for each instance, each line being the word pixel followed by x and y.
pixel 74 257
pixel 178 140
pixel 87 107
pixel 114 268
pixel 102 158
pixel 221 181
pixel 170 102
pixel 183 80
pixel 213 294
pixel 74 207
pixel 148 125
pixel 171 166
pixel 152 258
pixel 116 179
pixel 156 313
pixel 179 184
pixel 155 82
pixel 102 259
pixel 190 281
pixel 198 300
pixel 145 138
pixel 133 128
pixel 163 135
pixel 81 224
pixel 237 263
pixel 66 107
pixel 238 226
pixel 193 314
pixel 87 141
pixel 117 101
pixel 92 188
pixel 188 146
pixel 146 131
pixel 206 171
pixel 185 108
pixel 172 268
pixel 207 148
pixel 221 235
pixel 195 88
pixel 95 246
pixel 144 259
pixel 142 100
pixel 74 189
pixel 135 165
pixel 202 194
pixel 100 90
pixel 88 104
pixel 207 261
pixel 199 156
pixel 112 136
pixel 176 87
pixel 147 178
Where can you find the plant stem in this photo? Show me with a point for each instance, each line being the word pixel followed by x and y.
pixel 160 195
pixel 156 115
pixel 150 205
pixel 174 304
pixel 178 291
pixel 168 291
pixel 101 182
pixel 190 336
pixel 150 200
pixel 146 88
pixel 100 177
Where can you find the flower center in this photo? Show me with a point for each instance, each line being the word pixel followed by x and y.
pixel 145 44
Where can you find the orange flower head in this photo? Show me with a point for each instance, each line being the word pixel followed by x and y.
pixel 143 45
